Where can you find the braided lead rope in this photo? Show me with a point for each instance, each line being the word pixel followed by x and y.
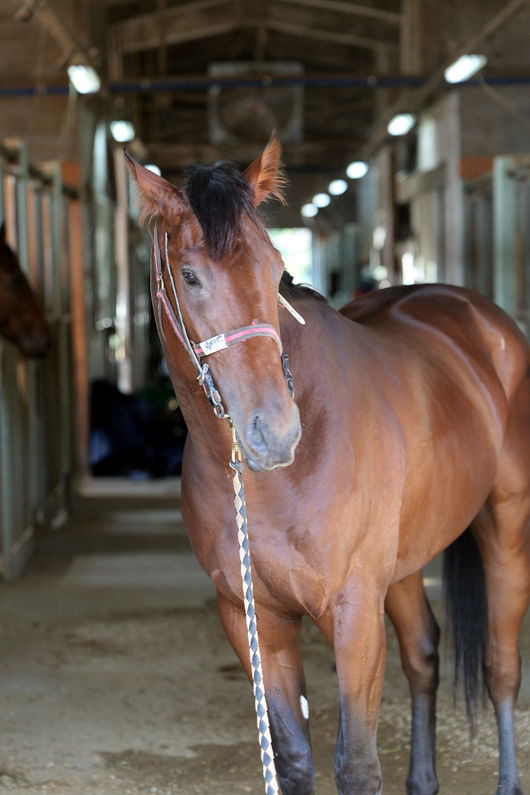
pixel 262 715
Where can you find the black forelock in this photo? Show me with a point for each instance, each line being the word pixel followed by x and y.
pixel 218 194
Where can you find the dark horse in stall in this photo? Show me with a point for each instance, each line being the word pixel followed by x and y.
pixel 22 320
pixel 410 428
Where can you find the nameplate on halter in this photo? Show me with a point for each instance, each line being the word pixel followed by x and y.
pixel 214 344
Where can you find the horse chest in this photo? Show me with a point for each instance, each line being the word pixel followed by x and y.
pixel 286 579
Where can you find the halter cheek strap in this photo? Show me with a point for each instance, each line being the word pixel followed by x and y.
pixel 213 344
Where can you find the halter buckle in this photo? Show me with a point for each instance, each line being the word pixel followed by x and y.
pixel 214 398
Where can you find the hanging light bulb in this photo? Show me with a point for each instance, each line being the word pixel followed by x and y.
pixel 337 187
pixel 357 169
pixel 309 210
pixel 321 200
pixel 401 124
pixel 122 131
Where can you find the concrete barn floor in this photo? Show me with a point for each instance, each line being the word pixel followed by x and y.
pixel 116 676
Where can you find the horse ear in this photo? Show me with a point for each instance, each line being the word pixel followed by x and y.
pixel 156 197
pixel 265 174
pixel 3 232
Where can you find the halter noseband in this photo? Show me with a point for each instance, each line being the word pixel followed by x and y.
pixel 196 350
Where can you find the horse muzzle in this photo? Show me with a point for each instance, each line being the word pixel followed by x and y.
pixel 270 442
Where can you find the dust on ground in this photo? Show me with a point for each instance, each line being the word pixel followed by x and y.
pixel 152 700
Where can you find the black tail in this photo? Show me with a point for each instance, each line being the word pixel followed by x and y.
pixel 467 617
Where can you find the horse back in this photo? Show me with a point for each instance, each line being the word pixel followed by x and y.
pixel 466 321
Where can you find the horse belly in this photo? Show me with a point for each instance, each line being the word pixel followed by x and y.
pixel 443 492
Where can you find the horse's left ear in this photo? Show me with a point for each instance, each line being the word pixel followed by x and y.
pixel 265 174
pixel 3 232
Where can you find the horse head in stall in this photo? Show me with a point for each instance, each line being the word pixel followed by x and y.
pixel 22 319
pixel 414 406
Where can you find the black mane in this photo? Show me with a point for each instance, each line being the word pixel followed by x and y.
pixel 289 289
pixel 218 195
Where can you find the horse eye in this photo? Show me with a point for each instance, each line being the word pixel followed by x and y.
pixel 189 277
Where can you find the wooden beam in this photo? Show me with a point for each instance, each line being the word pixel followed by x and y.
pixel 137 39
pixel 411 60
pixel 354 9
pixel 162 46
pixel 350 39
pixel 53 23
pixel 142 32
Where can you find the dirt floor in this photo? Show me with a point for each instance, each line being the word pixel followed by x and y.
pixel 116 676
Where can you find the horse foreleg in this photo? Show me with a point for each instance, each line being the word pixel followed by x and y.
pixel 418 635
pixel 355 626
pixel 285 689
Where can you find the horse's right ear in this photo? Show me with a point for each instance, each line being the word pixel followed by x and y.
pixel 265 174
pixel 157 197
pixel 3 232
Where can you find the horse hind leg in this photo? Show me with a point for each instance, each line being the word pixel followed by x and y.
pixel 506 559
pixel 418 635
pixel 502 530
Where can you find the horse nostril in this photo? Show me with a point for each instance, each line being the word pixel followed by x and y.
pixel 256 435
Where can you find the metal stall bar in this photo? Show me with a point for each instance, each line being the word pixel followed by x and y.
pixel 504 217
pixel 522 264
pixel 36 268
pixel 62 298
pixel 79 336
pixel 35 397
pixel 2 192
pixel 31 467
pixel 17 426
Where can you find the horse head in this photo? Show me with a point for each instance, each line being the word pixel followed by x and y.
pixel 225 275
pixel 22 320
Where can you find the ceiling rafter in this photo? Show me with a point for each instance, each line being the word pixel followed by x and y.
pixel 134 39
pixel 323 35
pixel 182 25
pixel 354 9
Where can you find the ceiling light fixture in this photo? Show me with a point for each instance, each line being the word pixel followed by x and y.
pixel 337 187
pixel 357 169
pixel 321 200
pixel 84 79
pixel 464 67
pixel 309 210
pixel 401 124
pixel 122 131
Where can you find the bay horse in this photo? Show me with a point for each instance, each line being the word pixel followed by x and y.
pixel 22 320
pixel 410 424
